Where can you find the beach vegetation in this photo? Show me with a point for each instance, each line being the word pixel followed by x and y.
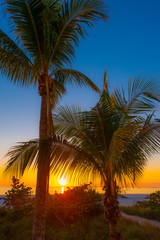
pixel 112 142
pixel 152 201
pixel 94 227
pixel 74 215
pixel 147 212
pixel 18 199
pixel 148 208
pixel 42 46
pixel 74 204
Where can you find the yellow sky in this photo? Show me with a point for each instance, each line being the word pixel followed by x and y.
pixel 151 175
pixel 29 179
pixel 150 178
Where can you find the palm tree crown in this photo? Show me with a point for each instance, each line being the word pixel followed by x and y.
pixel 113 141
pixel 116 133
pixel 114 138
pixel 45 36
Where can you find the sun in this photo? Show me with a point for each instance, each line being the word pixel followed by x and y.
pixel 62 181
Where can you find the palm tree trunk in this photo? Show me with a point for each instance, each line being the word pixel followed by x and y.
pixel 38 230
pixel 112 212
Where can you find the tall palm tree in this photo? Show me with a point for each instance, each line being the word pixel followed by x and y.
pixel 45 35
pixel 112 141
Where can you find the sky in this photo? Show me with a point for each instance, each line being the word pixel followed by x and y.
pixel 128 44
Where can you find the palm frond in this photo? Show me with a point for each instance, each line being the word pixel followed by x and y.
pixel 21 157
pixel 74 18
pixel 26 18
pixel 14 63
pixel 24 155
pixel 142 92
pixel 70 76
pixel 68 123
pixel 109 143
pixel 143 145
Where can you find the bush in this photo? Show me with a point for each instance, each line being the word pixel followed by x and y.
pixel 131 230
pixel 153 214
pixel 73 205
pixel 15 229
pixel 149 208
pixel 152 201
pixel 18 199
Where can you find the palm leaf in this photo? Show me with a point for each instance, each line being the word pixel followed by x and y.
pixel 75 17
pixel 21 157
pixel 26 18
pixel 142 92
pixel 24 155
pixel 14 63
pixel 70 76
pixel 109 143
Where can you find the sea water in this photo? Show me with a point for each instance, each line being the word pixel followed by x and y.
pixel 132 195
pixel 136 190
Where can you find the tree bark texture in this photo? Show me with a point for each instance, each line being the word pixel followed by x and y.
pixel 39 215
pixel 112 212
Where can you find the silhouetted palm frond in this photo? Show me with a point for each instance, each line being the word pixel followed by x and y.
pixel 113 140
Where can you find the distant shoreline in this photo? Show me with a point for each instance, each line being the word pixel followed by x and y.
pixel 129 190
pixel 130 199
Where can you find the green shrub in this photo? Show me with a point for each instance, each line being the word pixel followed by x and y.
pixel 3 212
pixel 149 208
pixel 18 200
pixel 147 212
pixel 132 230
pixel 16 229
pixel 73 205
pixel 97 228
pixel 94 228
pixel 152 201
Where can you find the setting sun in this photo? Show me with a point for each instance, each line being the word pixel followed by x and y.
pixel 62 181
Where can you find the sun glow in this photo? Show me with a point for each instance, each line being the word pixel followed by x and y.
pixel 62 181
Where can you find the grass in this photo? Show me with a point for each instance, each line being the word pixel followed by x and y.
pixel 149 213
pixel 134 231
pixel 92 228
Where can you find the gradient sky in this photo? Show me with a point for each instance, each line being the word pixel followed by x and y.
pixel 127 44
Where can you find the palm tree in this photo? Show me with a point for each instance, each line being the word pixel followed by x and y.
pixel 45 35
pixel 112 141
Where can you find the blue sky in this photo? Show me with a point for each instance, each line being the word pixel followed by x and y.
pixel 127 44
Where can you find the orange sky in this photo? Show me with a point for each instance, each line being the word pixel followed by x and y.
pixel 150 177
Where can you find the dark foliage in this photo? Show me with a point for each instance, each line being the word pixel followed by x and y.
pixel 95 228
pixel 152 201
pixel 153 214
pixel 149 208
pixel 74 204
pixel 18 200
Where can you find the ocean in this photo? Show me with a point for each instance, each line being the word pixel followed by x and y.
pixel 132 195
pixel 131 190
